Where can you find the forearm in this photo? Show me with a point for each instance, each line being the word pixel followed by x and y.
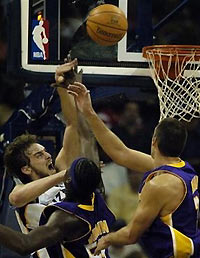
pixel 23 194
pixel 68 107
pixel 71 148
pixel 25 244
pixel 110 143
pixel 87 140
pixel 120 237
pixel 71 139
pixel 115 148
pixel 13 240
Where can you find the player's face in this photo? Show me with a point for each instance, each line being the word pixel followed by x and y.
pixel 40 161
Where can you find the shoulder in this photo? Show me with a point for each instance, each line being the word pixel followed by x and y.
pixel 164 186
pixel 71 226
pixel 62 213
pixel 164 181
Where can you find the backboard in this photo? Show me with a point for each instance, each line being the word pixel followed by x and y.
pixel 64 26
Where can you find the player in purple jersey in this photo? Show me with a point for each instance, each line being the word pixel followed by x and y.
pixel 166 217
pixel 76 223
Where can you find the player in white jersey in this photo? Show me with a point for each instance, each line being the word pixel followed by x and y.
pixel 28 161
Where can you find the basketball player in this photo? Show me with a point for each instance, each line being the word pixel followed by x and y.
pixel 76 223
pixel 28 161
pixel 23 194
pixel 165 220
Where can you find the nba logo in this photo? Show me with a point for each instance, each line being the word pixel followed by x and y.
pixel 40 40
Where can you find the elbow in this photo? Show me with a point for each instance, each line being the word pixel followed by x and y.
pixel 131 237
pixel 15 200
pixel 132 240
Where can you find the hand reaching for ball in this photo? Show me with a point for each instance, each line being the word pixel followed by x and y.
pixel 67 74
pixel 62 70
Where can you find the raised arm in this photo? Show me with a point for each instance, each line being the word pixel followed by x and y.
pixel 71 140
pixel 78 138
pixel 24 193
pixel 110 143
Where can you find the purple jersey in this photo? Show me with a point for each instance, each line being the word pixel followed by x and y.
pixel 99 219
pixel 176 234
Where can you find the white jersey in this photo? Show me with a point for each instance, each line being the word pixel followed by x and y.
pixel 28 216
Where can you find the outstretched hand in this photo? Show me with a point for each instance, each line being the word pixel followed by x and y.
pixel 63 69
pixel 66 74
pixel 82 97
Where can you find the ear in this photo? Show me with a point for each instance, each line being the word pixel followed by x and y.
pixel 26 170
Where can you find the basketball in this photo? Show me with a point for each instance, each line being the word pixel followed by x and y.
pixel 106 24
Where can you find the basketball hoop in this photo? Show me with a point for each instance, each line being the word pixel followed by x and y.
pixel 175 70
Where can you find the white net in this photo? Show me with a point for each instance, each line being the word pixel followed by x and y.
pixel 176 74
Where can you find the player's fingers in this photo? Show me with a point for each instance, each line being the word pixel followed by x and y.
pixel 96 252
pixel 72 93
pixel 66 67
pixel 82 86
pixel 73 62
pixel 75 88
pixel 78 89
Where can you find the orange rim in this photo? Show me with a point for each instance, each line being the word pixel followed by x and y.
pixel 183 51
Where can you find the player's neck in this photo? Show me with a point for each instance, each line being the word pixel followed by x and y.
pixel 162 160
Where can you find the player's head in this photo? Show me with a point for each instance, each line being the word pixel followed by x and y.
pixel 27 160
pixel 83 178
pixel 170 136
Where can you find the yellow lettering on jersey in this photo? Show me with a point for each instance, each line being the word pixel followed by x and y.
pixel 100 228
pixel 194 183
pixel 94 235
pixel 183 245
pixel 104 227
pixel 196 202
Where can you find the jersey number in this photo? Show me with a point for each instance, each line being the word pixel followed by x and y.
pixel 194 184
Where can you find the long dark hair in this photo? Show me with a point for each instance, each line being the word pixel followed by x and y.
pixel 84 177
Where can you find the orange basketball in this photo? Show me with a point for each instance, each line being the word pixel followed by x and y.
pixel 106 24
